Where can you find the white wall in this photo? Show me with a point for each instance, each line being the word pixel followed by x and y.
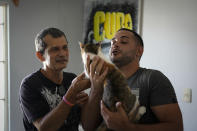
pixel 170 36
pixel 27 20
pixel 169 33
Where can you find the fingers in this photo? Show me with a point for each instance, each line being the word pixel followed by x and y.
pixel 88 64
pixel 81 76
pixel 81 95
pixel 93 65
pixel 79 83
pixel 99 67
pixel 121 111
pixel 104 111
pixel 76 87
pixel 104 74
pixel 119 107
pixel 82 98
pixel 83 85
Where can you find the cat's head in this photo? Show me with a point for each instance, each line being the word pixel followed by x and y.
pixel 89 49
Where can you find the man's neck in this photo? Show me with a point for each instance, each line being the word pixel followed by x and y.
pixel 55 76
pixel 129 69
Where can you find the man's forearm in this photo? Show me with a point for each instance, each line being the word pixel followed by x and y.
pixel 91 117
pixel 170 126
pixel 54 119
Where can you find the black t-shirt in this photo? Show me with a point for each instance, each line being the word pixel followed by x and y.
pixel 153 88
pixel 39 95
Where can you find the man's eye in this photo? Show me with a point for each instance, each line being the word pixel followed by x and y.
pixel 123 42
pixel 54 49
pixel 65 47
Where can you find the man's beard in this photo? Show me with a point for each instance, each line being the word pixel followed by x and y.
pixel 122 61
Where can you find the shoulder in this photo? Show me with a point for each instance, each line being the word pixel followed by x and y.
pixel 157 77
pixel 32 77
pixel 158 88
pixel 154 77
pixel 154 80
pixel 69 75
pixel 151 74
pixel 146 71
pixel 30 80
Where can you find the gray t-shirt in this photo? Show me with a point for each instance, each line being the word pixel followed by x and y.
pixel 152 88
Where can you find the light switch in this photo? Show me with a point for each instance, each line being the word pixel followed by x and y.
pixel 187 95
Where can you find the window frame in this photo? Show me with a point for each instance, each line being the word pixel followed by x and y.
pixel 5 63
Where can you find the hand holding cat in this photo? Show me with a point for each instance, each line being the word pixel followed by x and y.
pixel 115 120
pixel 97 72
pixel 75 94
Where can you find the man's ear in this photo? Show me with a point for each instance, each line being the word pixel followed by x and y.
pixel 140 51
pixel 40 56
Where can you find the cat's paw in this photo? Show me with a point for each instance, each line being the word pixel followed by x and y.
pixel 142 110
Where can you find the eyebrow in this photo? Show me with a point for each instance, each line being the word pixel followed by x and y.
pixel 55 46
pixel 124 37
pixel 121 37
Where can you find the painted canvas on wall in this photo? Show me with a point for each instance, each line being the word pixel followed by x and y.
pixel 102 18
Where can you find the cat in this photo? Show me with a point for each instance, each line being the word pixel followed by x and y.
pixel 115 87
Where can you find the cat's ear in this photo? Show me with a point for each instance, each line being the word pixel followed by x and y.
pixel 81 45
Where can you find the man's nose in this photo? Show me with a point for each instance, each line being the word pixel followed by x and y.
pixel 63 52
pixel 115 43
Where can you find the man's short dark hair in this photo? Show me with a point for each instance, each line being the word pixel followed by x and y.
pixel 137 36
pixel 39 40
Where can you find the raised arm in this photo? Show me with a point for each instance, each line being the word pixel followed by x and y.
pixel 91 117
pixel 55 118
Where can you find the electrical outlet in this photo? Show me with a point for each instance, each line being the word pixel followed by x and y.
pixel 187 95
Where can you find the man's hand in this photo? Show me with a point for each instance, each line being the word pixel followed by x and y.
pixel 82 98
pixel 75 93
pixel 56 117
pixel 97 72
pixel 115 120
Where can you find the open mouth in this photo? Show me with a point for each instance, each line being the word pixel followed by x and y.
pixel 115 52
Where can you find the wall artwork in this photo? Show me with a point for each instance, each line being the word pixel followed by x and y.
pixel 102 18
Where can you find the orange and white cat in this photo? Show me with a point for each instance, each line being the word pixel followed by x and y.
pixel 115 86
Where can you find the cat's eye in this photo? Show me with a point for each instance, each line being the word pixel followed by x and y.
pixel 98 44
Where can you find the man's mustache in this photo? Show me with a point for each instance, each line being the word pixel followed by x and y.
pixel 61 59
pixel 116 50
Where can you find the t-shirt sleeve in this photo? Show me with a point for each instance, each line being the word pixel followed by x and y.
pixel 32 103
pixel 72 77
pixel 161 89
pixel 68 78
